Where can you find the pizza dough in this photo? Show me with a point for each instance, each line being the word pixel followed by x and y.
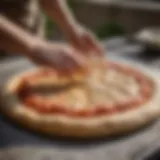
pixel 112 99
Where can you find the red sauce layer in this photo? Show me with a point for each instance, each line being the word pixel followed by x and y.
pixel 34 101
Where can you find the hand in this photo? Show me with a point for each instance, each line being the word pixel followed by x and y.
pixel 84 41
pixel 63 58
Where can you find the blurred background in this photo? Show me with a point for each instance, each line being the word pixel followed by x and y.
pixel 109 18
pixel 122 25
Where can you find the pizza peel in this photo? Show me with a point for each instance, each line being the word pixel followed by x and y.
pixel 19 144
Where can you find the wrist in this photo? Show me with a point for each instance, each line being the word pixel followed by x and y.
pixel 70 29
pixel 30 45
pixel 67 23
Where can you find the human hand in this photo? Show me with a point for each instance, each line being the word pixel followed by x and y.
pixel 63 58
pixel 84 41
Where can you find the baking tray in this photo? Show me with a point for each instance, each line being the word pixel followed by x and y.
pixel 16 143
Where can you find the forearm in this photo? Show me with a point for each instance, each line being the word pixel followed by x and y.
pixel 13 38
pixel 60 13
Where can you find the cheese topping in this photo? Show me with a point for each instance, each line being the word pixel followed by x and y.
pixel 102 87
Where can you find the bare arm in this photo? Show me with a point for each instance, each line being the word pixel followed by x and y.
pixel 59 12
pixel 79 37
pixel 13 38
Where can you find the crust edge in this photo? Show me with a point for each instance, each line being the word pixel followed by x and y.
pixel 72 127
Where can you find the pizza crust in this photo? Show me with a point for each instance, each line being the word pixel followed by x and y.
pixel 63 125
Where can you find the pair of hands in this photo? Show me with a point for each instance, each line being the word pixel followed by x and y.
pixel 67 58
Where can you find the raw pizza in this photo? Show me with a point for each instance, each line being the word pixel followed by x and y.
pixel 111 99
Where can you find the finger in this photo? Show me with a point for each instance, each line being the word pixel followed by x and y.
pixel 66 64
pixel 81 45
pixel 81 63
pixel 62 66
pixel 93 45
pixel 67 67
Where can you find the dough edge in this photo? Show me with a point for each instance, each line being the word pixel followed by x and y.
pixel 61 125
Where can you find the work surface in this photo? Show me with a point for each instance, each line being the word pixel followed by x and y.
pixel 29 146
pixel 19 144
